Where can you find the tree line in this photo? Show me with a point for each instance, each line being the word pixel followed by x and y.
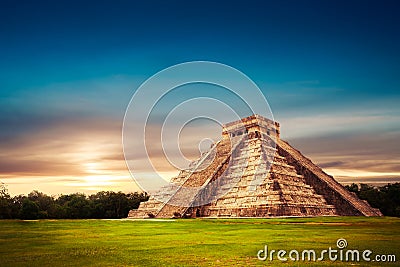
pixel 385 198
pixel 115 205
pixel 37 205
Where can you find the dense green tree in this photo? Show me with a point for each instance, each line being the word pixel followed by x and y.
pixel 29 210
pixel 17 205
pixel 5 203
pixel 46 204
pixel 107 204
pixel 78 207
pixel 391 199
pixel 385 198
pixel 136 198
pixel 352 188
pixel 37 205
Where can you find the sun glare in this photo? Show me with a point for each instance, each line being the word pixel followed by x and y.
pixel 97 180
pixel 92 167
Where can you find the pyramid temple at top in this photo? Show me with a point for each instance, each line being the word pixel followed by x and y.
pixel 251 172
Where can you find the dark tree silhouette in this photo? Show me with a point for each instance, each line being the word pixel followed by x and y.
pixel 385 198
pixel 5 203
pixel 29 210
pixel 38 205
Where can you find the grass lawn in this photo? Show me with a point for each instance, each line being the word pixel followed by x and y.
pixel 199 242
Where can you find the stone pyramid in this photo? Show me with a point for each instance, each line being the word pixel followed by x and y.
pixel 251 172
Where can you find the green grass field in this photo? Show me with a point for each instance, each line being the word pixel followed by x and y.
pixel 198 242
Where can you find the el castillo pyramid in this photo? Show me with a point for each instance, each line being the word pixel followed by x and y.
pixel 251 172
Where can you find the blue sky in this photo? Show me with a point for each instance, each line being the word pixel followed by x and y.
pixel 329 69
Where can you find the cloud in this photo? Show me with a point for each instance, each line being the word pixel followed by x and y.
pixel 63 147
pixel 376 180
pixel 331 164
pixel 338 123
